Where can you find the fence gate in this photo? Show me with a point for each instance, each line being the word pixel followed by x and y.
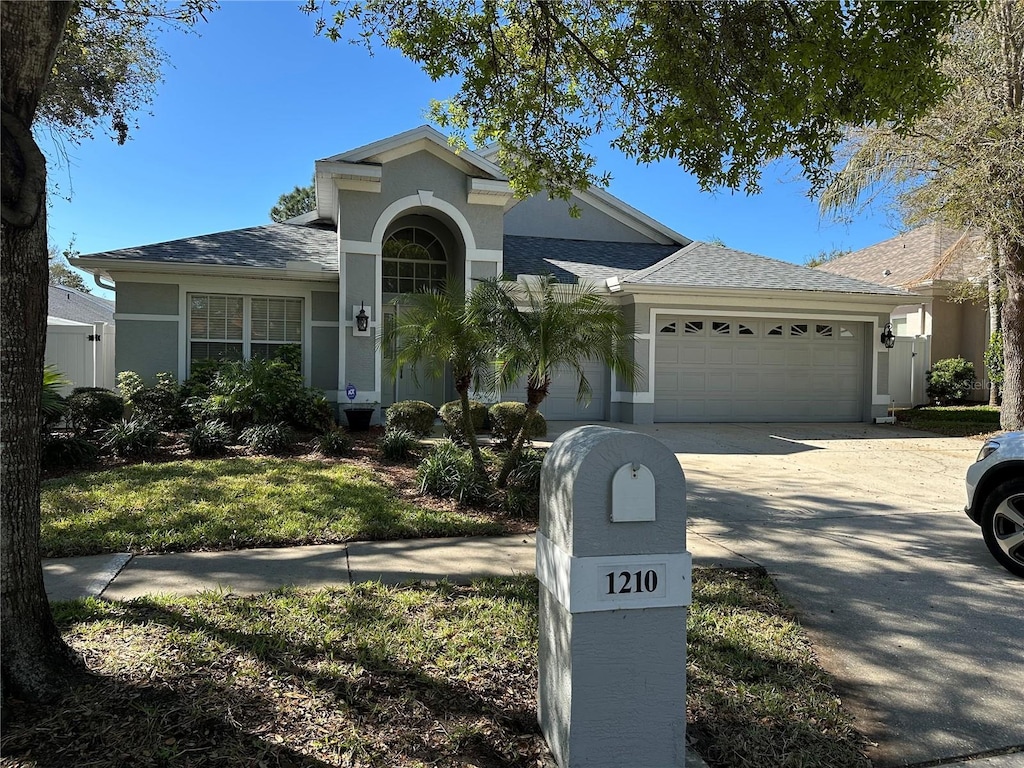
pixel 84 354
pixel 908 361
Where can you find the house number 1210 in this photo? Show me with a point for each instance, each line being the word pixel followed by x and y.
pixel 632 582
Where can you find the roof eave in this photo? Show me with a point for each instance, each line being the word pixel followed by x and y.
pixel 105 267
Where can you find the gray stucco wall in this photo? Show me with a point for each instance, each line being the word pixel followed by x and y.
pixel 407 176
pixel 484 270
pixel 147 347
pixel 539 217
pixel 360 282
pixel 324 306
pixel 360 363
pixel 146 299
pixel 324 358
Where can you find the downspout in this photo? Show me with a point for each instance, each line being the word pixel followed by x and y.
pixel 111 287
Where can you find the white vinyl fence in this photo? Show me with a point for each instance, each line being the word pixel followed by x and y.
pixel 83 353
pixel 908 361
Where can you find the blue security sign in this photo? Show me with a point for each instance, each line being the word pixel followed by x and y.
pixel 350 392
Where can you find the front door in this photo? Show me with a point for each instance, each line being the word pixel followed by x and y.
pixel 409 383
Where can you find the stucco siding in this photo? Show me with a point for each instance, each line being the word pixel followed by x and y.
pixel 147 347
pixel 407 176
pixel 147 298
pixel 324 306
pixel 484 270
pixel 539 217
pixel 360 280
pixel 360 363
pixel 324 358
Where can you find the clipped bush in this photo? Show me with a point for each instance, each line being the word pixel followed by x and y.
pixel 133 438
pixel 447 472
pixel 507 419
pixel 268 438
pixel 951 381
pixel 413 415
pixel 64 450
pixel 451 417
pixel 209 438
pixel 93 408
pixel 397 444
pixel 334 442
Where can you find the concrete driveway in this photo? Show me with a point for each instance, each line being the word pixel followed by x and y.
pixel 862 528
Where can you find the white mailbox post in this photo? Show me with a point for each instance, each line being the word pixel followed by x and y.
pixel 615 585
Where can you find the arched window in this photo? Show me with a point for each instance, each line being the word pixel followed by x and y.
pixel 414 262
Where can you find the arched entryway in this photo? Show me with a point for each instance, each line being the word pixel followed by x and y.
pixel 419 254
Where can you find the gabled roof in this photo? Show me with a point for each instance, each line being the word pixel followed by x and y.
pixel 413 140
pixel 268 246
pixel 69 304
pixel 704 265
pixel 930 252
pixel 570 260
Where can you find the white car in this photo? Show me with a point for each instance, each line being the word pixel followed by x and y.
pixel 995 498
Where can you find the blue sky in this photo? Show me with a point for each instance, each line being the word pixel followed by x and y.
pixel 251 101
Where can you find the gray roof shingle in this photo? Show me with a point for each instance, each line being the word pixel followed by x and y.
pixel 271 245
pixel 703 265
pixel 570 260
pixel 69 304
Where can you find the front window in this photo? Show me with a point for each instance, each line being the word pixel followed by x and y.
pixel 225 327
pixel 414 261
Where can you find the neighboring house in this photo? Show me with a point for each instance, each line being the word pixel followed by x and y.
pixel 80 337
pixel 930 261
pixel 722 335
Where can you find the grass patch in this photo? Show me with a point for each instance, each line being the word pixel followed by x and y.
pixel 402 676
pixel 233 503
pixel 951 420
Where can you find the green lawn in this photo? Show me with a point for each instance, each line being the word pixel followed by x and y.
pixel 403 676
pixel 233 503
pixel 952 420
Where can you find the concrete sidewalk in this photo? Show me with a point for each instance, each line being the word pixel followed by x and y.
pixel 247 571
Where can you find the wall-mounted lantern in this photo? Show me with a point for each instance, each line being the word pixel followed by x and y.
pixel 362 320
pixel 887 338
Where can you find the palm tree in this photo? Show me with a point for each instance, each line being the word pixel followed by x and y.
pixel 542 326
pixel 440 329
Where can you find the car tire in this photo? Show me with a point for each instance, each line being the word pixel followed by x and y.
pixel 1002 524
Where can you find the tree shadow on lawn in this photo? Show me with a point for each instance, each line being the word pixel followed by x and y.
pixel 241 686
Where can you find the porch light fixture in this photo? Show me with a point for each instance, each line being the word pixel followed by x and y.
pixel 887 338
pixel 362 319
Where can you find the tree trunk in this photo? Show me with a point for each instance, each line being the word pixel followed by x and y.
pixel 994 307
pixel 534 397
pixel 37 664
pixel 462 387
pixel 1012 415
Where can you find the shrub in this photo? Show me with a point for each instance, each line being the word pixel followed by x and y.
pixel 209 438
pixel 334 442
pixel 132 438
pixel 413 415
pixel 161 404
pixel 312 412
pixel 522 492
pixel 397 444
pixel 200 380
pixel 951 380
pixel 52 405
pixel 447 471
pixel 63 449
pixel 93 408
pixel 129 384
pixel 268 438
pixel 451 417
pixel 507 420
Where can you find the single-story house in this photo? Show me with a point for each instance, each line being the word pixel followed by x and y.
pixel 932 261
pixel 722 335
pixel 80 337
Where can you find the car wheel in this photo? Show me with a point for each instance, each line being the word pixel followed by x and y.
pixel 1002 523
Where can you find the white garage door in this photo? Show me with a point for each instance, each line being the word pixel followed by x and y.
pixel 735 369
pixel 561 405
